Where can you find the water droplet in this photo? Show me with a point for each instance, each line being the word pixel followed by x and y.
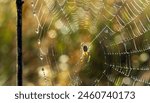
pixel 32 4
pixel 34 13
pixel 39 42
pixel 42 69
pixel 41 57
pixel 37 30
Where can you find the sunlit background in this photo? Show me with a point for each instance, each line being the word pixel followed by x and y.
pixel 77 42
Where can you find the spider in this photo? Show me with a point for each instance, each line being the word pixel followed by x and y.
pixel 85 53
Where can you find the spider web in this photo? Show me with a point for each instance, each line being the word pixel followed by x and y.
pixel 115 29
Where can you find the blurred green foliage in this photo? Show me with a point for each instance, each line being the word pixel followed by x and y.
pixel 7 42
pixel 62 46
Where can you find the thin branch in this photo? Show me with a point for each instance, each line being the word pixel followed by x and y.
pixel 19 42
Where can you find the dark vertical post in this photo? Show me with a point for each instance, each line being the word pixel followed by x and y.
pixel 19 41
